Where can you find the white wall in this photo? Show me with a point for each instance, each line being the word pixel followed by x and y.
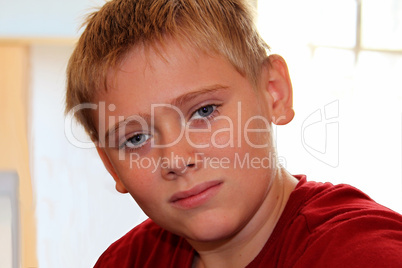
pixel 79 213
pixel 43 18
pixel 5 232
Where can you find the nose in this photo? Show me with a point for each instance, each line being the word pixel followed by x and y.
pixel 179 156
pixel 178 168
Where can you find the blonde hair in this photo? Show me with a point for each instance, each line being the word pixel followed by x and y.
pixel 222 27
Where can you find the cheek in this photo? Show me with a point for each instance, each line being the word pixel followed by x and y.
pixel 223 138
pixel 257 132
pixel 137 175
pixel 239 138
pixel 220 135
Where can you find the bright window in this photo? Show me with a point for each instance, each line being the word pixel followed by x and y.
pixel 345 60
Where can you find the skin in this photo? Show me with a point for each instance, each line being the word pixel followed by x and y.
pixel 232 224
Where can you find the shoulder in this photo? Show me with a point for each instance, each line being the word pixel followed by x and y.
pixel 146 245
pixel 334 205
pixel 347 228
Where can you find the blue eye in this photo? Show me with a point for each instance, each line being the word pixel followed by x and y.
pixel 137 140
pixel 204 111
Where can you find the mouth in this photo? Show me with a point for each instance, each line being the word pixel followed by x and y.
pixel 196 196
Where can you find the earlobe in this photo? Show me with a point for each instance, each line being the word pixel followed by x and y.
pixel 280 90
pixel 105 159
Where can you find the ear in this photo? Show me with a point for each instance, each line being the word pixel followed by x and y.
pixel 106 161
pixel 278 85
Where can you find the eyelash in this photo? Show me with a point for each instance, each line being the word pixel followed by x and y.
pixel 210 116
pixel 128 147
pixel 125 145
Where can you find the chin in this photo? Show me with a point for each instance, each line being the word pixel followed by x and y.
pixel 211 229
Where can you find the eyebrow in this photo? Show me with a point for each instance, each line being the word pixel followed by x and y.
pixel 187 97
pixel 127 122
pixel 179 101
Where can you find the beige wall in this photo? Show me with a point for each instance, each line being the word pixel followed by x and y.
pixel 13 138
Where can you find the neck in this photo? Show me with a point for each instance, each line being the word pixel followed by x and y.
pixel 241 248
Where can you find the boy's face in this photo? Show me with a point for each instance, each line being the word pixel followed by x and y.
pixel 195 148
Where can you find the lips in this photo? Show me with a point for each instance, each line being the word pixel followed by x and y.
pixel 196 195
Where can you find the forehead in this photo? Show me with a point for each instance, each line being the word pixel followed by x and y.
pixel 165 70
pixel 148 77
pixel 143 59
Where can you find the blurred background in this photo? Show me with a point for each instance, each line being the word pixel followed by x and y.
pixel 58 205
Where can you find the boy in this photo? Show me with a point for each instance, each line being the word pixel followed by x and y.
pixel 183 95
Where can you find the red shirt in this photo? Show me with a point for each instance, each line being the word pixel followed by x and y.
pixel 322 226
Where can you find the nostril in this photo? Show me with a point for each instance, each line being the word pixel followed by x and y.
pixel 191 165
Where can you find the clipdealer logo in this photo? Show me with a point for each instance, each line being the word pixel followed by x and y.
pixel 107 136
pixel 200 160
pixel 319 132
